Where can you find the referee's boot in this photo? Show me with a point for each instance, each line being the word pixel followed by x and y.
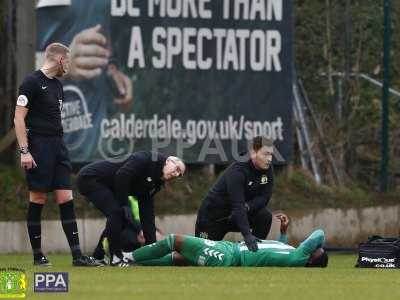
pixel 86 261
pixel 42 262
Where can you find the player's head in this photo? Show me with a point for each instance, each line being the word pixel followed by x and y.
pixel 319 259
pixel 261 152
pixel 173 168
pixel 57 57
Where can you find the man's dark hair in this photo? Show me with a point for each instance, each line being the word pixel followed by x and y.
pixel 259 141
pixel 319 262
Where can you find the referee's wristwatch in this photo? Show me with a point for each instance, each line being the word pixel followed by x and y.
pixel 24 150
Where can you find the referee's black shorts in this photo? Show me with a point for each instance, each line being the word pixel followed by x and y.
pixel 53 165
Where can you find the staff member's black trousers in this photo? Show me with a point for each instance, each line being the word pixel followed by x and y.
pixel 215 229
pixel 120 234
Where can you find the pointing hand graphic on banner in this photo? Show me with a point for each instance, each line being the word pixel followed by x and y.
pixel 90 57
pixel 88 54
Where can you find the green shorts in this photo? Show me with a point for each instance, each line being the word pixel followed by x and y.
pixel 202 252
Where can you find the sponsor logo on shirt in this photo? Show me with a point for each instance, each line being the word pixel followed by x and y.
pixel 264 179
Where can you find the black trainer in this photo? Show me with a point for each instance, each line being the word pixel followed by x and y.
pixel 86 261
pixel 42 262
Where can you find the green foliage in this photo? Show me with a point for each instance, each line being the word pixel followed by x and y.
pixel 12 193
pixel 320 47
pixel 300 182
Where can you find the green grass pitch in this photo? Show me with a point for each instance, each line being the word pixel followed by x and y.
pixel 339 281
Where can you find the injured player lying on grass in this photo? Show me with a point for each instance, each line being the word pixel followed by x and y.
pixel 187 250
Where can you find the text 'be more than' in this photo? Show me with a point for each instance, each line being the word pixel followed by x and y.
pixel 201 47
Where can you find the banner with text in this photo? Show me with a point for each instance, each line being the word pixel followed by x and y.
pixel 194 78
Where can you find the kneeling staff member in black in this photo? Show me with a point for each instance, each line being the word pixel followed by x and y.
pixel 238 200
pixel 108 184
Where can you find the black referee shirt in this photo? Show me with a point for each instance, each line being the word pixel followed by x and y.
pixel 43 97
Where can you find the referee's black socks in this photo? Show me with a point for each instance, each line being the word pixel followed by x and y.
pixel 70 227
pixel 35 229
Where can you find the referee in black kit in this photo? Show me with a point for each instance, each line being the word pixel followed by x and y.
pixel 43 153
pixel 238 200
pixel 108 184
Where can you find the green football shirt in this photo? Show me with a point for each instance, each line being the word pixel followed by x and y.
pixel 279 254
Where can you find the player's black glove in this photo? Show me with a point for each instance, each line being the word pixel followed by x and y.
pixel 251 242
pixel 127 213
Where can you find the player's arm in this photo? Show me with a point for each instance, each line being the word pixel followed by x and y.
pixel 147 219
pixel 283 218
pixel 235 185
pixel 261 201
pixel 20 127
pixel 314 241
pixel 26 93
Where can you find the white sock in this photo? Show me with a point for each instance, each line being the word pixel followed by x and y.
pixel 115 259
pixel 128 255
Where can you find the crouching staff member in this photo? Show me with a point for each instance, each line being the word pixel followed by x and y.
pixel 238 200
pixel 131 236
pixel 108 184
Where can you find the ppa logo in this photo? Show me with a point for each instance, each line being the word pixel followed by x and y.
pixel 56 282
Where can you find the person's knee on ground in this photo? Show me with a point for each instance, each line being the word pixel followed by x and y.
pixel 261 223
